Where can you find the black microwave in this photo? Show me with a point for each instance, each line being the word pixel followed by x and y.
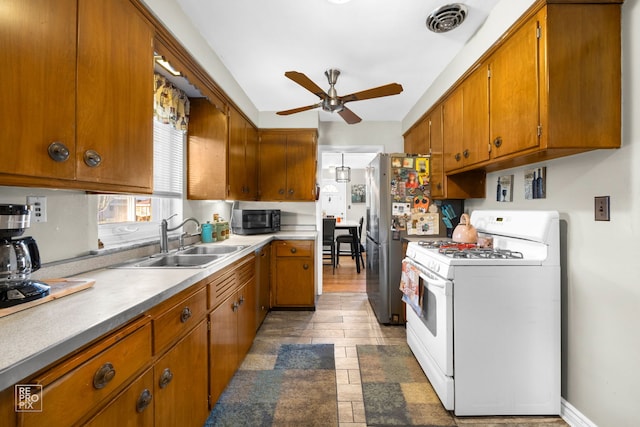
pixel 255 221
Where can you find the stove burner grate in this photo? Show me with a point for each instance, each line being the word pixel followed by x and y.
pixel 480 253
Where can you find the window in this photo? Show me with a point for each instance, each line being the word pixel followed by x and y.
pixel 125 219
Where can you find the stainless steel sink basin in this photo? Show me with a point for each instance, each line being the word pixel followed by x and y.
pixel 211 249
pixel 173 261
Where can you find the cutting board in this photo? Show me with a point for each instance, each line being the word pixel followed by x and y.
pixel 59 288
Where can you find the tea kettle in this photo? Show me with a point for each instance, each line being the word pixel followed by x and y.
pixel 464 231
pixel 18 259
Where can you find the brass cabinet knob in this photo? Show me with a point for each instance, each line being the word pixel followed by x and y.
pixel 234 306
pixel 497 142
pixel 281 191
pixel 457 157
pixel 103 375
pixel 165 378
pixel 294 250
pixel 185 315
pixel 241 301
pixel 144 400
pixel 92 158
pixel 465 153
pixel 305 266
pixel 58 151
pixel 291 191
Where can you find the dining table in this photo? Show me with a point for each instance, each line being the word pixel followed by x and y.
pixel 352 227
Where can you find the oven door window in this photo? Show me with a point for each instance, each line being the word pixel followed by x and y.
pixel 429 310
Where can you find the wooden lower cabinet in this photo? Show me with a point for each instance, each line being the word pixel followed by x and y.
pixel 180 382
pixel 263 281
pixel 292 274
pixel 131 408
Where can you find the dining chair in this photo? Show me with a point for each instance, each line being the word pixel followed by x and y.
pixel 329 242
pixel 356 252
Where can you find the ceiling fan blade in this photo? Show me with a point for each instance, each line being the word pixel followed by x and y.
pixel 349 116
pixel 299 109
pixel 377 92
pixel 306 83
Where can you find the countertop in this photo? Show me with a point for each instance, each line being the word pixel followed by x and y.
pixel 36 337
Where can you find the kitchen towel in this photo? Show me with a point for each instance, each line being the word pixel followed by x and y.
pixel 410 286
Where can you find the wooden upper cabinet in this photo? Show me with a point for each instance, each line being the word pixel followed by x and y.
pixel 436 149
pixel 287 165
pixel 416 141
pixel 39 53
pixel 207 152
pixel 514 95
pixel 452 130
pixel 79 73
pixel 243 148
pixel 475 117
pixel 115 93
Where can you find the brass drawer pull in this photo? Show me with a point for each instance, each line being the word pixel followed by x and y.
pixel 281 191
pixel 241 300
pixel 465 153
pixel 305 266
pixel 58 151
pixel 144 400
pixel 165 378
pixel 294 250
pixel 457 157
pixel 234 307
pixel 185 315
pixel 497 142
pixel 103 376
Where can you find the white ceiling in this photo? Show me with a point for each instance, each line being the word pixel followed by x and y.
pixel 372 42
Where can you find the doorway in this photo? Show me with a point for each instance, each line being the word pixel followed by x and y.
pixel 343 199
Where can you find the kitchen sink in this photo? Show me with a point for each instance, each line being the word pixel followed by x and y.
pixel 213 250
pixel 173 261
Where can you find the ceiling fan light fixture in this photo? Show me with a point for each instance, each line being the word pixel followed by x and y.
pixel 343 173
pixel 446 18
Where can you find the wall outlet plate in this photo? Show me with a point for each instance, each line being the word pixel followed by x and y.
pixel 602 208
pixel 38 208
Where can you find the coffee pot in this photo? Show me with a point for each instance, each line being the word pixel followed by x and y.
pixel 19 257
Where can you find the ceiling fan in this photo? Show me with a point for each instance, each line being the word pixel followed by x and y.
pixel 330 101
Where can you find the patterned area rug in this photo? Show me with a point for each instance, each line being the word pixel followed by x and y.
pixel 396 391
pixel 298 390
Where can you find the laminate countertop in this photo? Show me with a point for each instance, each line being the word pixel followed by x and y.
pixel 34 338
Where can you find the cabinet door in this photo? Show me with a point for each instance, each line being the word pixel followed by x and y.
pixel 416 141
pixel 246 317
pixel 251 162
pixel 38 50
pixel 294 282
pixel 475 117
pixel 263 284
pixel 237 169
pixel 223 341
pixel 115 92
pixel 273 166
pixel 514 95
pixel 301 166
pixel 452 131
pixel 180 391
pixel 132 408
pixel 206 152
pixel 437 154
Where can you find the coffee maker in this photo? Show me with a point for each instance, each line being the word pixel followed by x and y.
pixel 19 257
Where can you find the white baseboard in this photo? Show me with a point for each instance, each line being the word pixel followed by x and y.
pixel 573 417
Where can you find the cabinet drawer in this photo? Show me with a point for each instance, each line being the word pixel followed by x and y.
pixel 301 248
pixel 172 323
pixel 69 395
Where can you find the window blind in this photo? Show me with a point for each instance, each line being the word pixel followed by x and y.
pixel 168 160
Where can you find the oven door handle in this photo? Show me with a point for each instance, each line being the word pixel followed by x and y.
pixel 428 277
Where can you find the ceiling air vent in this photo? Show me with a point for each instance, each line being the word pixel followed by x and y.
pixel 446 18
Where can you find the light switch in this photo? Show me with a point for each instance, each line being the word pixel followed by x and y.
pixel 38 208
pixel 602 208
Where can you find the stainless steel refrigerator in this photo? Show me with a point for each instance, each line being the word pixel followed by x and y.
pixel 397 203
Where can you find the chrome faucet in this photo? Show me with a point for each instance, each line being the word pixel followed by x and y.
pixel 164 240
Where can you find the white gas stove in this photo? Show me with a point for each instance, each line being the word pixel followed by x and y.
pixel 485 321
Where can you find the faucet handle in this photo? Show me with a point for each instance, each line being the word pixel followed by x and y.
pixel 175 214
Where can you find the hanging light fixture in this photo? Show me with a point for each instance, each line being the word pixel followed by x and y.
pixel 343 173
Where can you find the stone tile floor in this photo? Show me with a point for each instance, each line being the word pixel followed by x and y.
pixel 346 320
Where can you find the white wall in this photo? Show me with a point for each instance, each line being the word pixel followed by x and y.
pixel 601 295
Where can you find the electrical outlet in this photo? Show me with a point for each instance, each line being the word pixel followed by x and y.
pixel 602 208
pixel 38 208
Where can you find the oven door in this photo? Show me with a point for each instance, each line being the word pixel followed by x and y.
pixel 430 336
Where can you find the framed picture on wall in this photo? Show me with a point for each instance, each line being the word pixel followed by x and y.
pixel 358 193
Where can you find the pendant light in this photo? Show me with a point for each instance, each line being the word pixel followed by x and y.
pixel 343 173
